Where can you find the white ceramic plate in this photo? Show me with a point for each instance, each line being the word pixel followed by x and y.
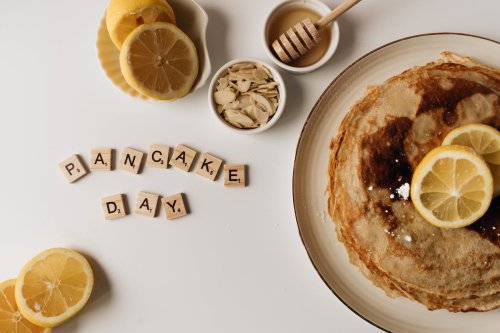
pixel 309 184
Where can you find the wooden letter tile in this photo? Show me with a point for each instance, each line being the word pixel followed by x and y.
pixel 146 204
pixel 73 168
pixel 158 156
pixel 101 159
pixel 208 166
pixel 131 160
pixel 114 206
pixel 234 175
pixel 183 157
pixel 174 206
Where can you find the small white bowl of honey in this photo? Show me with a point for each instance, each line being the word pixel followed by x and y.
pixel 288 13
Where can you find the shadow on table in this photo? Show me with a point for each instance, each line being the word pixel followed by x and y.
pixel 294 99
pixel 100 297
pixel 216 37
pixel 347 38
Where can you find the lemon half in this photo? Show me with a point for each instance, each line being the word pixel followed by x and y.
pixel 485 140
pixel 159 61
pixel 53 286
pixel 11 320
pixel 123 16
pixel 452 186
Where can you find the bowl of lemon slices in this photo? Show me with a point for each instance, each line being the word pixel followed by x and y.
pixel 154 49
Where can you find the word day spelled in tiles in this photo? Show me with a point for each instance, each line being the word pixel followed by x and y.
pixel 101 159
pixel 235 175
pixel 208 166
pixel 174 206
pixel 73 168
pixel 131 160
pixel 158 156
pixel 183 157
pixel 114 206
pixel 146 204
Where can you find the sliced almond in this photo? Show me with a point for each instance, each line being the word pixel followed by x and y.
pixel 238 117
pixel 265 69
pixel 260 74
pixel 244 101
pixel 257 114
pixel 269 85
pixel 263 101
pixel 222 84
pixel 275 107
pixel 232 105
pixel 243 85
pixel 224 97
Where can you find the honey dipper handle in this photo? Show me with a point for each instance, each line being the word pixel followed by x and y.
pixel 335 13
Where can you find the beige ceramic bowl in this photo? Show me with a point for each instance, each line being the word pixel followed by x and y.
pixel 281 89
pixel 318 7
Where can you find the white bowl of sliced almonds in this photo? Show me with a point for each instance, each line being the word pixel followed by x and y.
pixel 247 95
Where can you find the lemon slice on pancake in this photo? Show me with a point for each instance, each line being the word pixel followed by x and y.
pixel 452 187
pixel 485 140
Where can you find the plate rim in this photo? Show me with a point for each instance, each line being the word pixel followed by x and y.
pixel 299 140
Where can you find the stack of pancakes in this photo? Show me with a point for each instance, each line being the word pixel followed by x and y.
pixel 379 144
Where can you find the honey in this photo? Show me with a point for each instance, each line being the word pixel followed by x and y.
pixel 287 18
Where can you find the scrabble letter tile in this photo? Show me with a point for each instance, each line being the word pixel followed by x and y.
pixel 208 166
pixel 114 206
pixel 158 156
pixel 73 168
pixel 131 160
pixel 183 157
pixel 146 204
pixel 101 159
pixel 234 175
pixel 174 206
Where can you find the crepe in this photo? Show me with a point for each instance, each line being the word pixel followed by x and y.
pixel 379 144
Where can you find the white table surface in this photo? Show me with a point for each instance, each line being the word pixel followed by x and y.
pixel 236 263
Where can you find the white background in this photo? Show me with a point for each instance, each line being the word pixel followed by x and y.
pixel 236 263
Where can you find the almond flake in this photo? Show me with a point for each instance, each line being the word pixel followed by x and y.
pixel 224 97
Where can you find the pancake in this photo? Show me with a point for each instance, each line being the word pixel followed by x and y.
pixel 379 144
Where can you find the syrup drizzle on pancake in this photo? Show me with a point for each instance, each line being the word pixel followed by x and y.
pixel 435 96
pixel 385 164
pixel 488 226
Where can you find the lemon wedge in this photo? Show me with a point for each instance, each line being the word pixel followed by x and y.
pixel 11 320
pixel 159 61
pixel 485 140
pixel 452 187
pixel 123 16
pixel 53 286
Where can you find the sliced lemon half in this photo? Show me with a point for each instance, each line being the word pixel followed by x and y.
pixel 53 286
pixel 11 320
pixel 485 140
pixel 452 186
pixel 123 16
pixel 159 61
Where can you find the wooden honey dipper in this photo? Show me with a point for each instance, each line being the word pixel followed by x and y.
pixel 303 36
